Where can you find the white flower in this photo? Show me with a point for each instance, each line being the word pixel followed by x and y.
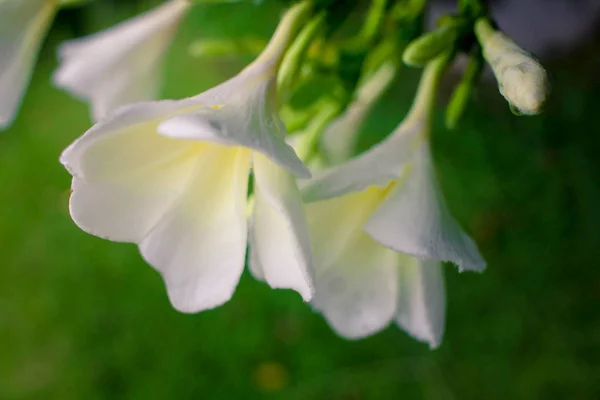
pixel 120 65
pixel 172 176
pixel 23 25
pixel 379 228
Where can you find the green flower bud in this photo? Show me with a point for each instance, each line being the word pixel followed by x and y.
pixel 521 78
pixel 427 47
pixel 72 3
pixel 295 55
pixel 462 92
pixel 457 104
pixel 214 1
pixel 226 47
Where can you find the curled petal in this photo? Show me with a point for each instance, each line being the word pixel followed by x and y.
pixel 414 220
pixel 421 300
pixel 23 24
pixel 280 244
pixel 124 141
pixel 378 166
pixel 199 245
pixel 242 124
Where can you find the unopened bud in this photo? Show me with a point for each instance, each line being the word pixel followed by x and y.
pixel 521 78
pixel 457 104
pixel 226 47
pixel 72 3
pixel 462 92
pixel 213 1
pixel 427 47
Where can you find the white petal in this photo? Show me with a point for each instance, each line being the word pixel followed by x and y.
pixel 126 208
pixel 279 235
pixel 254 265
pixel 199 246
pixel 357 294
pixel 23 25
pixel 248 122
pixel 378 166
pixel 356 278
pixel 124 142
pixel 422 300
pixel 414 220
pixel 122 64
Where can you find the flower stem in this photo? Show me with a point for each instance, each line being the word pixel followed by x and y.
pixel 293 19
pixel 294 56
pixel 484 30
pixel 430 79
pixel 307 141
pixel 373 21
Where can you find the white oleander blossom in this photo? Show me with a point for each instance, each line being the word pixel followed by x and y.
pixel 122 64
pixel 379 229
pixel 172 176
pixel 23 25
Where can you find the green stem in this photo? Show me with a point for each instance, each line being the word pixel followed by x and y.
pixel 72 3
pixel 471 8
pixel 430 80
pixel 286 31
pixel 410 11
pixel 307 142
pixel 376 84
pixel 373 21
pixel 292 61
pixel 484 30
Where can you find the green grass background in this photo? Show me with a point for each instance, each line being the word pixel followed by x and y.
pixel 84 318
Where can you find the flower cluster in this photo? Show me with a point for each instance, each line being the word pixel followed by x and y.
pixel 363 238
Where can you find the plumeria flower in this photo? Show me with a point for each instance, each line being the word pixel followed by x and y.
pixel 172 177
pixel 120 65
pixel 379 228
pixel 23 25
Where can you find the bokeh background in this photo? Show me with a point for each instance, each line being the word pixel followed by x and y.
pixel 84 318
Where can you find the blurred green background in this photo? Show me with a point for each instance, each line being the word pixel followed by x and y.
pixel 84 318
